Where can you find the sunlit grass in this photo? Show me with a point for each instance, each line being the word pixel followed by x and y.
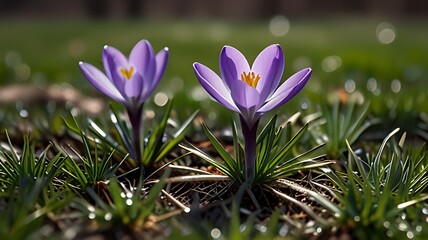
pixel 377 183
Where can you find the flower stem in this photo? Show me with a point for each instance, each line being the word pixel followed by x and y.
pixel 250 137
pixel 135 116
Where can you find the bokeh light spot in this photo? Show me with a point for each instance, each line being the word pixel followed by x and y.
pixel 12 59
pixel 371 84
pixel 23 71
pixel 386 33
pixel 350 86
pixel 199 94
pixel 301 63
pixel 331 63
pixel 219 32
pixel 161 99
pixel 396 85
pixel 23 113
pixel 279 26
pixel 215 233
pixel 76 48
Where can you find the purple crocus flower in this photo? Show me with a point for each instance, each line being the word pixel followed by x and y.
pixel 251 91
pixel 129 80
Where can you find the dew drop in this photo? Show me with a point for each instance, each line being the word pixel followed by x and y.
pixel 23 113
pixel 261 228
pixel 402 226
pixel 283 231
pixel 304 105
pixel 215 233
pixel 386 224
pixel 108 216
pixel 91 215
pixel 91 209
pixel 242 227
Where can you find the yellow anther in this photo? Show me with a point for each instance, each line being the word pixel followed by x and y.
pixel 127 73
pixel 251 79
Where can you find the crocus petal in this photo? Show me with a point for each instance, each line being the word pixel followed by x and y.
pixel 232 65
pixel 150 84
pixel 100 81
pixel 147 90
pixel 213 84
pixel 250 116
pixel 287 90
pixel 143 58
pixel 113 59
pixel 161 61
pixel 270 65
pixel 243 95
pixel 134 86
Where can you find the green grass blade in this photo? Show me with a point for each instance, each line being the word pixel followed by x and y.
pixel 230 162
pixel 177 137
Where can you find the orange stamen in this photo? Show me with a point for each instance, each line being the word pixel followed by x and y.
pixel 127 73
pixel 251 79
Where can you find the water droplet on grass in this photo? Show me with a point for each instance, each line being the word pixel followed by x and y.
pixel 23 113
pixel 108 216
pixel 215 233
pixel 283 231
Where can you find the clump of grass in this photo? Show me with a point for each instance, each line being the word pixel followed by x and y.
pixel 28 190
pixel 276 157
pixel 123 208
pixel 336 124
pixel 157 143
pixel 379 190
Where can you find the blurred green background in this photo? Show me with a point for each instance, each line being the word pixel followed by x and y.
pixel 382 58
pixel 337 49
pixel 44 52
